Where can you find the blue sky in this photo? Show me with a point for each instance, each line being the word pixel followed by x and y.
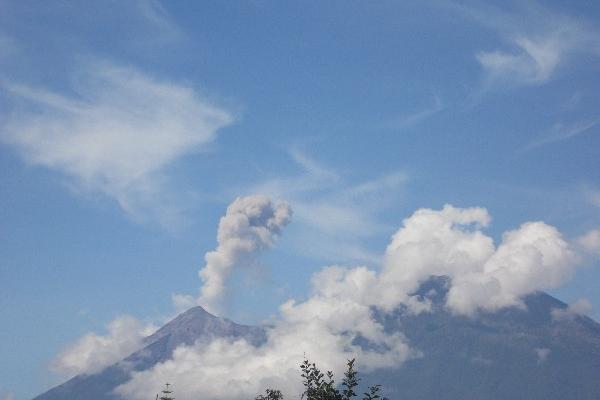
pixel 127 129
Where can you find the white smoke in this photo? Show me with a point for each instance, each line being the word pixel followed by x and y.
pixel 92 352
pixel 118 135
pixel 250 225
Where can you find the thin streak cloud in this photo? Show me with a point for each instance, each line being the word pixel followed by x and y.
pixel 116 135
pixel 538 41
pixel 561 132
pixel 419 116
pixel 332 216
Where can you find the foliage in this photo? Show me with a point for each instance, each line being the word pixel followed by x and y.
pixel 321 386
pixel 270 394
pixel 373 393
pixel 350 381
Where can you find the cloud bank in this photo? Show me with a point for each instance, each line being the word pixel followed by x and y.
pixel 325 327
pixel 92 353
pixel 116 134
pixel 484 277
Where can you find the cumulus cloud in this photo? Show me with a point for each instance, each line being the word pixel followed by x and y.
pixel 92 352
pixel 251 225
pixel 337 315
pixel 325 327
pixel 450 242
pixel 580 307
pixel 115 133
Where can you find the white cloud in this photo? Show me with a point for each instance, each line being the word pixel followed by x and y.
pixel 592 195
pixel 483 277
pixel 158 17
pixel 560 132
pixel 116 134
pixel 338 310
pixel 323 328
pixel 580 307
pixel 534 62
pixel 590 242
pixel 92 352
pixel 333 217
pixel 542 41
pixel 251 225
pixel 418 116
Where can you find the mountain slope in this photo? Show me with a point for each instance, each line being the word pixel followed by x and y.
pixel 512 354
pixel 186 328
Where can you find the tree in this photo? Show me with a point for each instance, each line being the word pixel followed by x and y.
pixel 373 393
pixel 321 386
pixel 350 381
pixel 166 393
pixel 270 394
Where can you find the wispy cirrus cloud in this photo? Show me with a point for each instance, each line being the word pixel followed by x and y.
pixel 115 133
pixel 533 61
pixel 560 132
pixel 159 18
pixel 591 194
pixel 408 120
pixel 537 42
pixel 590 242
pixel 333 216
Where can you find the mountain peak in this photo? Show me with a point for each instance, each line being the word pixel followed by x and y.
pixel 196 312
pixel 512 353
pixel 196 323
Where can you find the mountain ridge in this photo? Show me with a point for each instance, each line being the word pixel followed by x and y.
pixel 513 353
pixel 187 327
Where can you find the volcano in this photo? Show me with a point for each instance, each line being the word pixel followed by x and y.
pixel 516 353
